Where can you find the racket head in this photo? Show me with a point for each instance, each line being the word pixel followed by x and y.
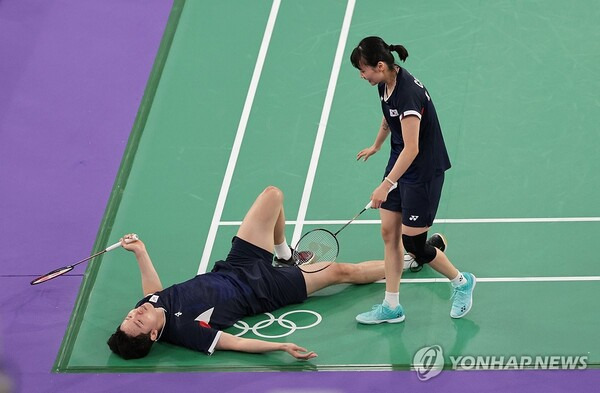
pixel 53 274
pixel 318 245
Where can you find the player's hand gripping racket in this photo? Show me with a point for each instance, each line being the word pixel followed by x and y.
pixel 65 269
pixel 321 244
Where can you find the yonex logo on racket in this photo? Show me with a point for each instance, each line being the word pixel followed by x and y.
pixel 282 321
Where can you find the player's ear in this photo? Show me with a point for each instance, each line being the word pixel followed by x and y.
pixel 153 334
pixel 381 66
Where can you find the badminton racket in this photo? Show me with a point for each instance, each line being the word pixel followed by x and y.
pixel 65 269
pixel 321 244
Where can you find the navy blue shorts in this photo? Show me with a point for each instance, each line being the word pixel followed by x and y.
pixel 275 287
pixel 417 202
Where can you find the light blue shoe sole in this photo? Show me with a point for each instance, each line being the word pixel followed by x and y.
pixel 470 303
pixel 378 321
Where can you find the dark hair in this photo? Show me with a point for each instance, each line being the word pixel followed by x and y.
pixel 372 50
pixel 129 347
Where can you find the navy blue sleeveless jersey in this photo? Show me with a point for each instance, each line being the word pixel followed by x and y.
pixel 193 321
pixel 410 98
pixel 198 309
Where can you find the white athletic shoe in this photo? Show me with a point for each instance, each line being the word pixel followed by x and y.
pixel 409 262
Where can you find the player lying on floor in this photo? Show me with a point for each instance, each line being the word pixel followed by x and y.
pixel 194 313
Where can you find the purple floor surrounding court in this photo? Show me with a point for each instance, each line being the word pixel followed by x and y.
pixel 72 74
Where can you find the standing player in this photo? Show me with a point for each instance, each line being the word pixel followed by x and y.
pixel 418 160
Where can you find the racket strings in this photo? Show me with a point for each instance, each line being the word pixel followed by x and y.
pixel 51 275
pixel 316 246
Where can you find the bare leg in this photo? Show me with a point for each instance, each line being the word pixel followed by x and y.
pixel 279 230
pixel 339 273
pixel 440 263
pixel 264 223
pixel 391 232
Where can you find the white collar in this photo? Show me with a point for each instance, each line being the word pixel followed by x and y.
pixel 163 327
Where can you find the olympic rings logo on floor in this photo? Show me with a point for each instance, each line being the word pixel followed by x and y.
pixel 281 321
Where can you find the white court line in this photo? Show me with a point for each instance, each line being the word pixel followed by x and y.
pixel 314 161
pixel 441 221
pixel 262 54
pixel 510 220
pixel 503 279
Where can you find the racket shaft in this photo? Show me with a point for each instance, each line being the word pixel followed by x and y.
pixel 109 248
pixel 90 257
pixel 368 206
pixel 348 223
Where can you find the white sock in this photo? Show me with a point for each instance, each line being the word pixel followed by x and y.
pixel 392 298
pixel 458 280
pixel 282 251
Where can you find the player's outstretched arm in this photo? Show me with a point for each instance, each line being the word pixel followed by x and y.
pixel 229 342
pixel 150 280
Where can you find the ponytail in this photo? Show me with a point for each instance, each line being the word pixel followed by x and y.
pixel 400 50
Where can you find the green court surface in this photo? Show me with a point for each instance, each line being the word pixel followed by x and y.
pixel 514 84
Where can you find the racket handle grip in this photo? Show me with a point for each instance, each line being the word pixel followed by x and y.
pixel 110 248
pixel 370 204
pixel 118 244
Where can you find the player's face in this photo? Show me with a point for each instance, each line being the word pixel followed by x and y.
pixel 373 75
pixel 141 320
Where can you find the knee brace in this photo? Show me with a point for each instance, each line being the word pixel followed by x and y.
pixel 417 246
